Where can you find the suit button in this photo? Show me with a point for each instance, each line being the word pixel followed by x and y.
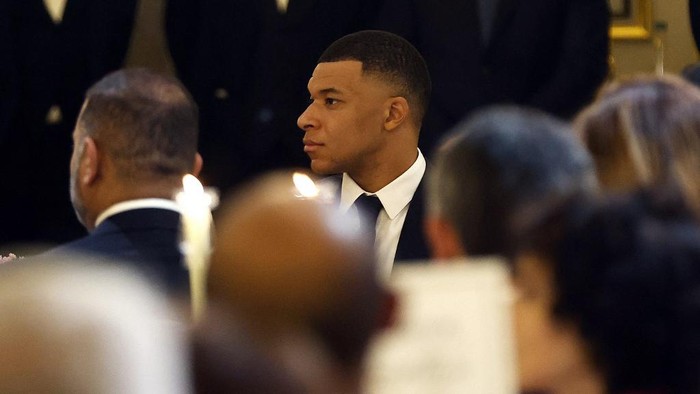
pixel 221 93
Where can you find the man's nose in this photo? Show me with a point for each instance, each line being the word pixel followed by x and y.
pixel 307 120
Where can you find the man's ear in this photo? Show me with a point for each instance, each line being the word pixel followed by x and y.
pixel 443 239
pixel 90 162
pixel 198 163
pixel 397 112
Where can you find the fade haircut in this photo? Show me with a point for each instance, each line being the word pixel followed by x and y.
pixel 147 123
pixel 500 167
pixel 392 59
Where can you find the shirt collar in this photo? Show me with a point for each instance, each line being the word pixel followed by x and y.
pixel 394 196
pixel 136 204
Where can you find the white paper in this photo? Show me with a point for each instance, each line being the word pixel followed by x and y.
pixel 453 335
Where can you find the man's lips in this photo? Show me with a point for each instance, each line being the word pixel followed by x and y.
pixel 310 145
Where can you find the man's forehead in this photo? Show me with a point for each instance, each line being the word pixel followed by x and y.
pixel 341 74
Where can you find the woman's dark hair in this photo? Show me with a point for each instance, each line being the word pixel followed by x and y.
pixel 627 273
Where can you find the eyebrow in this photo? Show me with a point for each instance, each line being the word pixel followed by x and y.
pixel 330 90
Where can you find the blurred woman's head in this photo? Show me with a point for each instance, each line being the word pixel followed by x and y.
pixel 609 298
pixel 645 131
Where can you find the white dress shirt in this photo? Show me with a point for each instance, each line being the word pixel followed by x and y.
pixel 136 204
pixel 395 198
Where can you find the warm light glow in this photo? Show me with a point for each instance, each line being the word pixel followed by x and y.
pixel 192 187
pixel 194 203
pixel 305 185
pixel 191 184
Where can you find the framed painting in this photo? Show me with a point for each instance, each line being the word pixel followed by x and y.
pixel 630 19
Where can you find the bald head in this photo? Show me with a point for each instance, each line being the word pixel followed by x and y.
pixel 284 260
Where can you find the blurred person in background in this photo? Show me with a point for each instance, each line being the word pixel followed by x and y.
pixel 494 171
pixel 53 50
pixel 609 298
pixel 545 54
pixel 645 132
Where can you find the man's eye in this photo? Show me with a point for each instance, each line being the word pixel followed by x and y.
pixel 331 101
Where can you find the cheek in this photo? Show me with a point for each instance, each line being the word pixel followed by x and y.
pixel 347 135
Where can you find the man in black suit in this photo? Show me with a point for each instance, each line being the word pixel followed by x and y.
pixel 52 52
pixel 369 93
pixel 547 54
pixel 135 138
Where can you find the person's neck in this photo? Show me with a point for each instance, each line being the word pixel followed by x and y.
pixel 119 192
pixel 378 173
pixel 583 381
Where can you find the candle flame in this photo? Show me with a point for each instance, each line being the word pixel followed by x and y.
pixel 305 185
pixel 191 184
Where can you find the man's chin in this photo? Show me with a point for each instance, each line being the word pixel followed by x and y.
pixel 321 168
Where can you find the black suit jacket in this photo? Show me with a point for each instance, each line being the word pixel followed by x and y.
pixel 146 238
pixel 548 54
pixel 694 10
pixel 412 245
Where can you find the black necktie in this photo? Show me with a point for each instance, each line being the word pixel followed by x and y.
pixel 369 206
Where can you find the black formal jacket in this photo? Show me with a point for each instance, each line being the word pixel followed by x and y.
pixel 146 238
pixel 412 245
pixel 694 10
pixel 548 54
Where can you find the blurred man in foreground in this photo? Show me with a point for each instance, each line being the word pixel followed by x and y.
pixel 301 279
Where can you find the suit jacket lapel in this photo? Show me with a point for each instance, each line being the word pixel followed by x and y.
pixel 412 245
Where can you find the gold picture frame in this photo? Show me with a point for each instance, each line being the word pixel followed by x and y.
pixel 630 19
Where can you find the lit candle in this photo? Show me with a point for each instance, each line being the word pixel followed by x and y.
pixel 305 186
pixel 195 205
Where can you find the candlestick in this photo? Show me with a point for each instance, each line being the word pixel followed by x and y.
pixel 195 205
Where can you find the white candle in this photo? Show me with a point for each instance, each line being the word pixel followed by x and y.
pixel 195 205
